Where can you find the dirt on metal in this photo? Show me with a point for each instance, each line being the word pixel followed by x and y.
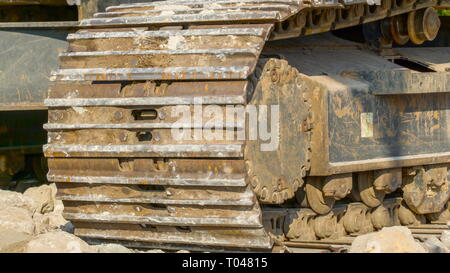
pixel 361 125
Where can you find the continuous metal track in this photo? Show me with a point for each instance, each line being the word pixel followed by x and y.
pixel 120 172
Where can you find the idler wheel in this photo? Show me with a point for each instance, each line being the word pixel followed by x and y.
pixel 399 30
pixel 423 25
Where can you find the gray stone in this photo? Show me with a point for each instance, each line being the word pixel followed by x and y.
pixel 388 240
pixel 17 219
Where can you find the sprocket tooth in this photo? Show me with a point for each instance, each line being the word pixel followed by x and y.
pixel 277 172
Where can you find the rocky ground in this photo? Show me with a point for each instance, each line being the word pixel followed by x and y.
pixel 32 222
pixel 399 240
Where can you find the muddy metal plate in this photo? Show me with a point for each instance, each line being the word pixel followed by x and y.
pixel 27 58
pixel 364 126
pixel 370 131
pixel 375 114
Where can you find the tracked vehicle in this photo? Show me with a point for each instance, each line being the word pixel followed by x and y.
pixel 361 122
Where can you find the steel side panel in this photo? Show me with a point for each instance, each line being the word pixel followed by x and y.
pixel 357 131
pixel 27 57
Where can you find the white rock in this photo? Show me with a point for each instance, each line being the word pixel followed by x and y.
pixel 57 242
pixel 17 219
pixel 51 221
pixel 14 199
pixel 433 245
pixel 59 207
pixel 44 196
pixel 9 238
pixel 112 248
pixel 388 240
pixel 445 238
pixel 155 251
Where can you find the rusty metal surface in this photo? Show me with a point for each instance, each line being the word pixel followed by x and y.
pixel 187 12
pixel 342 222
pixel 168 195
pixel 234 56
pixel 340 225
pixel 291 18
pixel 373 112
pixel 427 189
pixel 195 195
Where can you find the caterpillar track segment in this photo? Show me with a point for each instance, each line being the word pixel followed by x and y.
pixel 188 191
pixel 126 176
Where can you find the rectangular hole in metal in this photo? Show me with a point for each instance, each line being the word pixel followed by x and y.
pixel 412 65
pixel 150 114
